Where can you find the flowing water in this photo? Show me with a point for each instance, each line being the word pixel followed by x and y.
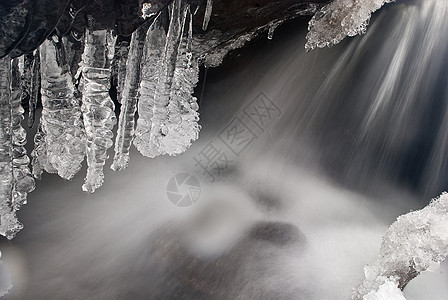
pixel 329 147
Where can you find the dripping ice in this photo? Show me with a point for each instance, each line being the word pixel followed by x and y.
pixel 167 112
pixel 16 180
pixel 97 106
pixel 60 141
pixel 129 97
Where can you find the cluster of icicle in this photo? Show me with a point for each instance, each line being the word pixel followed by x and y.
pixel 416 242
pixel 168 117
pixel 338 19
pixel 157 74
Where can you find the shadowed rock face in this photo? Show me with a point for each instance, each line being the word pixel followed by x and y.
pixel 24 24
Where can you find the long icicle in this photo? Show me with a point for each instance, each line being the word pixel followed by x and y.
pixel 34 88
pixel 9 224
pixel 23 180
pixel 97 106
pixel 119 65
pixel 186 76
pixel 168 139
pixel 165 113
pixel 151 68
pixel 61 124
pixel 208 14
pixel 129 97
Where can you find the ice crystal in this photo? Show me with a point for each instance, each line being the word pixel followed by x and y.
pixel 416 242
pixel 97 106
pixel 129 96
pixel 338 19
pixel 60 142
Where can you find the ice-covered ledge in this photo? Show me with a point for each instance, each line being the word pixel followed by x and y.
pixel 416 242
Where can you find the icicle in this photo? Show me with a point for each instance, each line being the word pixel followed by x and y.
pixel 272 27
pixel 97 106
pixel 186 76
pixel 23 181
pixel 60 142
pixel 35 86
pixel 119 65
pixel 129 96
pixel 167 112
pixel 151 68
pixel 15 178
pixel 9 224
pixel 26 71
pixel 208 14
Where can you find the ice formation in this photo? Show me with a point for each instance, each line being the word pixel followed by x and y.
pixel 97 106
pixel 34 87
pixel 16 180
pixel 60 141
pixel 129 97
pixel 168 116
pixel 387 291
pixel 119 65
pixel 338 19
pixel 208 14
pixel 416 242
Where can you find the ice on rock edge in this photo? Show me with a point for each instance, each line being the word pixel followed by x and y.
pixel 60 142
pixel 341 18
pixel 416 242
pixel 97 106
pixel 129 97
pixel 15 178
pixel 166 112
pixel 387 291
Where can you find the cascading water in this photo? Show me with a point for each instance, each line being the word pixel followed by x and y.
pixel 337 143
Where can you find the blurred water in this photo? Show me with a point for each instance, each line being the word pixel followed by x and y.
pixel 358 139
